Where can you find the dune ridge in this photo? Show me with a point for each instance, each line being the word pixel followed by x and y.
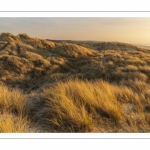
pixel 73 86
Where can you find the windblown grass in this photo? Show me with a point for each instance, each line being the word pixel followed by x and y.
pixel 13 111
pixel 73 86
pixel 87 106
pixel 12 101
pixel 74 105
pixel 12 124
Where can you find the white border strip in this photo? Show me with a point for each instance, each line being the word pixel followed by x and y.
pixel 75 5
pixel 74 14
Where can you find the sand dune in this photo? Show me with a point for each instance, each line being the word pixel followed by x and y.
pixel 73 86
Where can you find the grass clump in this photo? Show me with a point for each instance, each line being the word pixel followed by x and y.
pixel 13 111
pixel 75 104
pixel 11 124
pixel 12 100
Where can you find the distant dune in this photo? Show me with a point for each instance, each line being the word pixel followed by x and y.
pixel 73 86
pixel 144 46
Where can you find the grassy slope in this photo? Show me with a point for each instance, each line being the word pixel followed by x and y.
pixel 73 86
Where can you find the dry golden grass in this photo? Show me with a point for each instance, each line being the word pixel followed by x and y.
pixel 35 42
pixel 14 111
pixel 74 86
pixel 73 105
pixel 73 51
pixel 12 101
pixel 12 124
pixel 86 106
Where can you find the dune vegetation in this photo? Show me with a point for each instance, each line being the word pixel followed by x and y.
pixel 73 86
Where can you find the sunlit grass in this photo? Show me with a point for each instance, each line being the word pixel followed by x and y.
pixel 74 105
pixel 11 124
pixel 12 100
pixel 73 86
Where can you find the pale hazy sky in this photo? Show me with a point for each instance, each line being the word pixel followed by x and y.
pixel 130 30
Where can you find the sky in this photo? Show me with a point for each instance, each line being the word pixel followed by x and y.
pixel 120 29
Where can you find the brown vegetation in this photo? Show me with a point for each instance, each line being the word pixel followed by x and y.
pixel 70 86
pixel 14 111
